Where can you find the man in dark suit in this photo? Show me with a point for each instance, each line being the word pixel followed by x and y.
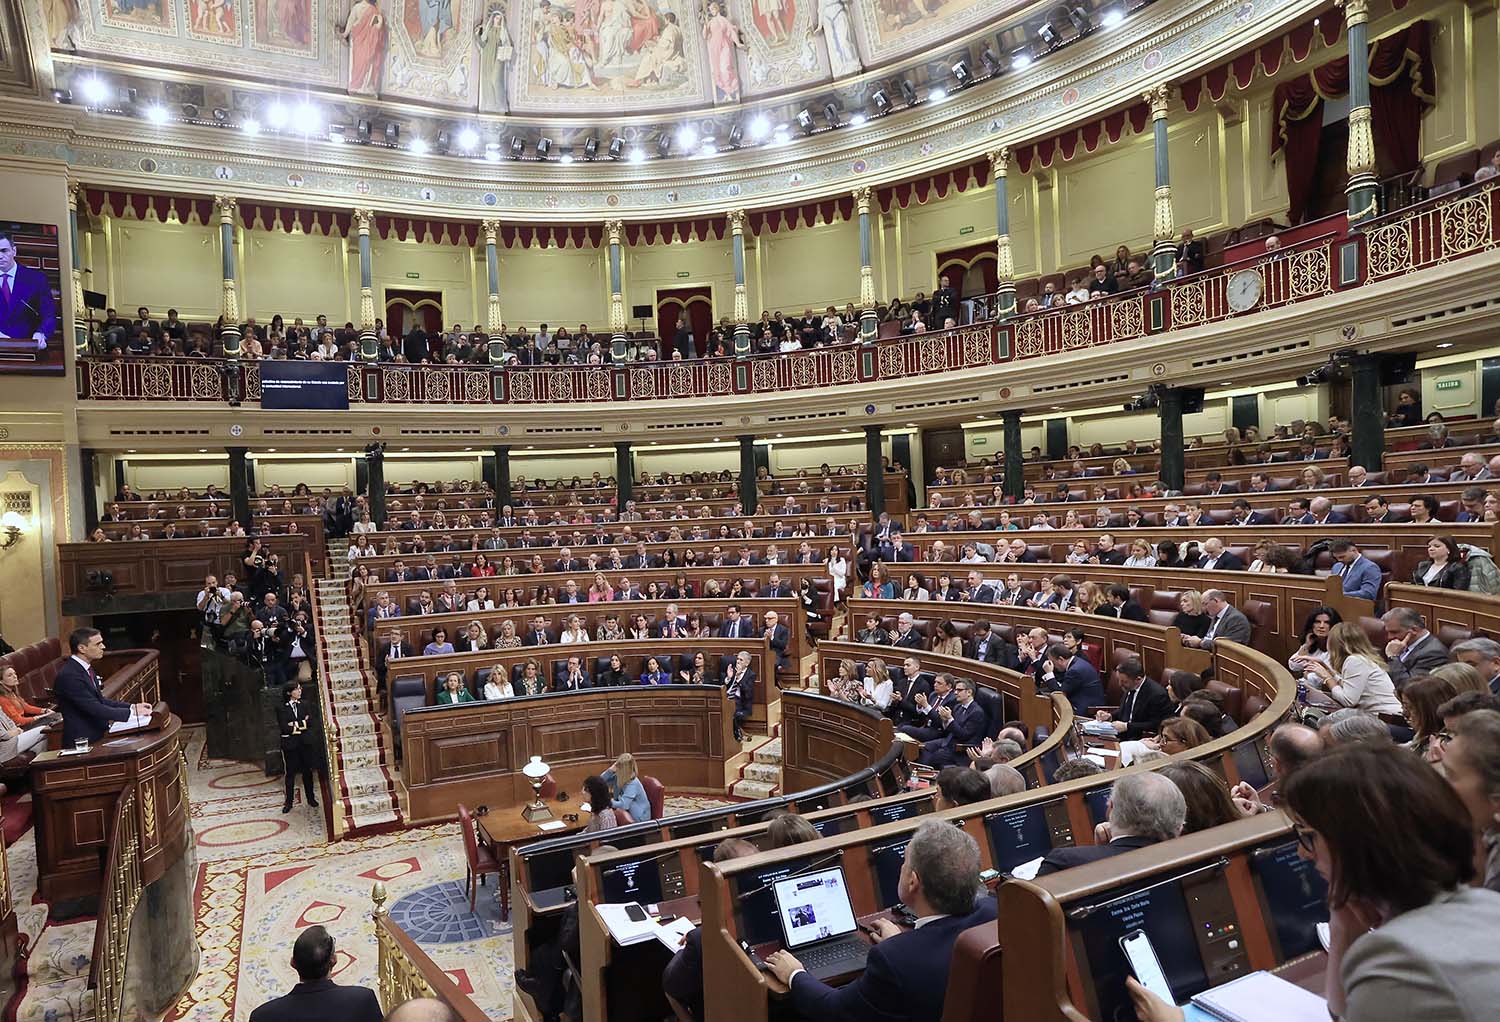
pixel 573 679
pixel 779 635
pixel 1216 558
pixel 1241 513
pixel 906 635
pixel 1411 650
pixel 1144 809
pixel 316 998
pixel 963 727
pixel 1125 605
pixel 27 311
pixel 906 974
pixel 977 591
pixel 775 588
pixel 1225 622
pixel 87 713
pixel 536 635
pixel 740 685
pixel 736 626
pixel 926 722
pixel 989 648
pixel 393 648
pixel 1143 703
pixel 298 746
pixel 672 625
pixel 908 683
pixel 896 549
pixel 1074 677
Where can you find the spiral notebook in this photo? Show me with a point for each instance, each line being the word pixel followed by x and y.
pixel 1262 997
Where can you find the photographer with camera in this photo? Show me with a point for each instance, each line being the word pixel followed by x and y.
pixel 258 576
pixel 234 624
pixel 299 645
pixel 266 649
pixel 212 599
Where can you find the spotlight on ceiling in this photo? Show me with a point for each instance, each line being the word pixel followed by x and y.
pixel 760 128
pixel 362 131
pixel 857 120
pixel 306 119
pixel 250 126
pixel 1082 22
pixel 831 112
pixel 392 133
pixel 1049 35
pixel 881 102
pixel 962 75
pixel 467 139
pixel 543 147
pixel 1020 58
pixel 93 90
pixel 736 135
pixel 637 156
pixel 908 92
pixel 492 152
pixel 221 115
pixel 591 148
pixel 156 113
pixel 664 144
pixel 990 61
pixel 616 147
pixel 805 120
pixel 336 133
pixel 937 94
pixel 1112 16
pixel 565 157
pixel 190 111
pixel 444 141
pixel 277 116
pixel 62 95
pixel 517 147
pixel 418 147
pixel 687 137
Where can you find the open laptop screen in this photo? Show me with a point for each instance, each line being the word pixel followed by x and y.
pixel 814 906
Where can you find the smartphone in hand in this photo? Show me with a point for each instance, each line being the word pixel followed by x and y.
pixel 1145 965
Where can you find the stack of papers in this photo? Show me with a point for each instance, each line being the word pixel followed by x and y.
pixel 627 931
pixel 1262 997
pixel 1099 729
pixel 132 724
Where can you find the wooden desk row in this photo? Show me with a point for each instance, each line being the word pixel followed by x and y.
pixel 148 569
pixel 1056 814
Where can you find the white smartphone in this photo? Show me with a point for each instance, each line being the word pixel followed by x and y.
pixel 1144 963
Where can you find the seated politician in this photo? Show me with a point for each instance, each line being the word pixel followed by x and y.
pixel 86 711
pixel 906 974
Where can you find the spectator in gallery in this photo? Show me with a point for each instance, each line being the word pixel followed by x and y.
pixel 1189 254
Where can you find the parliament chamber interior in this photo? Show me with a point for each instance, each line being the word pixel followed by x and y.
pixel 478 480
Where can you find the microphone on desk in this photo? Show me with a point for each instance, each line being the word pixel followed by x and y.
pixel 811 867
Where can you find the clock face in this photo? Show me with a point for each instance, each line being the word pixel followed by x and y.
pixel 1244 290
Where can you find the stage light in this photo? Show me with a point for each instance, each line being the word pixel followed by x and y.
pixel 418 147
pixel 664 144
pixel 687 137
pixel 250 126
pixel 93 90
pixel 831 112
pixel 392 134
pixel 991 62
pixel 1048 35
pixel 1114 15
pixel 443 141
pixel 760 127
pixel 591 148
pixel 156 113
pixel 1080 19
pixel 305 118
pixel 517 147
pixel 566 158
pixel 62 95
pixel 616 147
pixel 637 156
pixel 908 92
pixel 277 116
pixel 937 95
pixel 710 147
pixel 736 135
pixel 492 152
pixel 1020 60
pixel 782 134
pixel 857 121
pixel 961 73
pixel 221 115
pixel 190 111
pixel 362 131
pixel 468 138
pixel 882 103
pixel 543 147
pixel 805 120
pixel 336 133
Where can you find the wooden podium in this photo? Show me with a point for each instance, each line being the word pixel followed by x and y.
pixel 76 798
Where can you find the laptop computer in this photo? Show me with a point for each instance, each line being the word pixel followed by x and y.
pixel 818 924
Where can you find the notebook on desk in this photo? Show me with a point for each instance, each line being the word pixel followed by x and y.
pixel 818 924
pixel 1261 997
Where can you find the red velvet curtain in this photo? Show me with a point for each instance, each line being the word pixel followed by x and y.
pixel 1402 87
pixel 697 302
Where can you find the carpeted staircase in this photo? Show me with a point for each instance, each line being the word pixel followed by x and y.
pixel 761 777
pixel 367 795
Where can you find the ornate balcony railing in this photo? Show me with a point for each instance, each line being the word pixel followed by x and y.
pixel 1437 231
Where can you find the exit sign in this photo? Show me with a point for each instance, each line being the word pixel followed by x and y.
pixel 413 276
pixel 1449 385
pixel 981 441
pixel 683 274
pixel 966 230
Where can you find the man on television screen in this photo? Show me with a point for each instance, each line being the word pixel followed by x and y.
pixel 26 306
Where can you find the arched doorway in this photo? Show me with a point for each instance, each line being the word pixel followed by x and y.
pixel 697 302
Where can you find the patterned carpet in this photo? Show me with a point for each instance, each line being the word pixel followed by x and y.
pixel 263 877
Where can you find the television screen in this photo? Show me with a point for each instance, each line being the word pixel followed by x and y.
pixel 31 309
pixel 304 385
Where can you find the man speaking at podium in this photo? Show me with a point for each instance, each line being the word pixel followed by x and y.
pixel 27 311
pixel 86 711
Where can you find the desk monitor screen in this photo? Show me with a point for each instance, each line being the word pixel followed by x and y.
pixel 1019 835
pixel 906 810
pixel 1162 912
pixel 755 814
pixel 1050 762
pixel 1294 896
pixel 549 870
pixel 1097 799
pixel 814 907
pixel 814 803
pixel 696 827
pixel 1249 764
pixel 636 880
pixel 885 863
pixel 753 891
pixel 647 836
pixel 831 825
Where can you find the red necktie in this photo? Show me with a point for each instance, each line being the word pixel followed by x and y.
pixel 5 291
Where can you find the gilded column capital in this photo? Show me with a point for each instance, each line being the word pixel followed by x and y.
pixel 228 206
pixel 75 195
pixel 614 230
pixel 491 231
pixel 1000 161
pixel 364 219
pixel 1360 155
pixel 1356 12
pixel 736 218
pixel 862 199
pixel 1159 97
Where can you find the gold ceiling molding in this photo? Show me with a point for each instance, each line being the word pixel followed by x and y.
pixel 803 171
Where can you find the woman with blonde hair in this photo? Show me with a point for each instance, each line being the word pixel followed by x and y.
pixel 1355 673
pixel 508 638
pixel 846 686
pixel 1088 597
pixel 1463 677
pixel 601 591
pixel 497 685
pixel 626 791
pixel 1140 554
pixel 878 687
pixel 1314 478
pixel 17 716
